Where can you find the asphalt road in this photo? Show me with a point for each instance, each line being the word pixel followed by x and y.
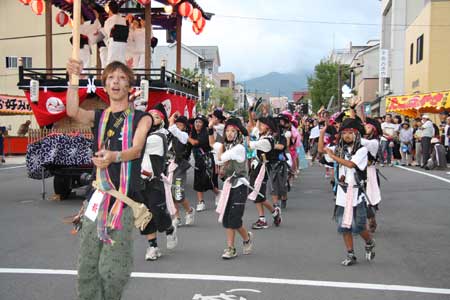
pixel 298 260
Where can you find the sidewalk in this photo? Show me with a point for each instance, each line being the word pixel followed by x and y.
pixel 14 160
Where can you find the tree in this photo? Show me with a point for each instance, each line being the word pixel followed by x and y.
pixel 223 96
pixel 323 84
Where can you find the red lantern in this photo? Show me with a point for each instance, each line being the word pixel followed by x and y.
pixel 25 2
pixel 200 23
pixel 69 1
pixel 196 14
pixel 173 2
pixel 37 6
pixel 62 18
pixel 196 29
pixel 185 9
pixel 144 2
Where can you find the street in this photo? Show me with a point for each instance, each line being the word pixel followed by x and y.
pixel 298 260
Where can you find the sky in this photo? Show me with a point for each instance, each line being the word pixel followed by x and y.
pixel 250 48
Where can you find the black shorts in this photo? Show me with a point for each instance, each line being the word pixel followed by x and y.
pixel 234 211
pixel 155 199
pixel 278 179
pixel 179 182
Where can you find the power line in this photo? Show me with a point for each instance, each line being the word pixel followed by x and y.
pixel 323 22
pixel 31 36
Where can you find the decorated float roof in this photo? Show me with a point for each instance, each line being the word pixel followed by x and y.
pixel 159 17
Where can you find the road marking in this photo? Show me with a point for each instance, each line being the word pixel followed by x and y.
pixel 423 173
pixel 207 277
pixel 244 290
pixel 9 168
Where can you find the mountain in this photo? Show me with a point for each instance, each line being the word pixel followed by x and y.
pixel 277 83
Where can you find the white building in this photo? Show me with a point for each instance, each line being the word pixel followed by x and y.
pixel 168 53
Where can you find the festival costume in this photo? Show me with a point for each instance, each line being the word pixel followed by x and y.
pixel 106 248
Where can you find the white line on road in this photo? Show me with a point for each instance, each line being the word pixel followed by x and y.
pixel 9 168
pixel 206 277
pixel 423 173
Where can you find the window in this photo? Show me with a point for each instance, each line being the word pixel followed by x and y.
pixel 411 54
pixel 12 62
pixel 224 83
pixel 419 53
pixel 27 62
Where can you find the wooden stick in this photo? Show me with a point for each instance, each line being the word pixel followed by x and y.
pixel 74 80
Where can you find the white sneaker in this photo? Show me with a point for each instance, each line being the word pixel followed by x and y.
pixel 172 239
pixel 176 222
pixel 248 247
pixel 229 253
pixel 152 253
pixel 201 206
pixel 190 217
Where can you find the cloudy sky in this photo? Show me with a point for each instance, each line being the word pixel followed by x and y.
pixel 250 47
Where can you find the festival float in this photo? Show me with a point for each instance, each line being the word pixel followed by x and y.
pixel 62 148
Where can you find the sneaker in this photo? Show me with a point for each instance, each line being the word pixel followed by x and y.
pixel 277 216
pixel 349 260
pixel 172 239
pixel 248 247
pixel 283 204
pixel 176 222
pixel 3 161
pixel 201 206
pixel 370 253
pixel 381 165
pixel 152 253
pixel 229 253
pixel 190 217
pixel 391 165
pixel 260 224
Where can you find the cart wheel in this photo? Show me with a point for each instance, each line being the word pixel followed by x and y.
pixel 62 186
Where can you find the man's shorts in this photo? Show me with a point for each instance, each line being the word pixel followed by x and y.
pixel 359 219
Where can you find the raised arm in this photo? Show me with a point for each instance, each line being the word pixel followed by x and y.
pixel 73 108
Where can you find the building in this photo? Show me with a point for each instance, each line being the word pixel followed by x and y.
pixel 210 64
pixel 167 54
pixel 345 56
pixel 298 96
pixel 239 96
pixel 392 43
pixel 365 67
pixel 426 53
pixel 226 80
pixel 26 41
pixel 278 104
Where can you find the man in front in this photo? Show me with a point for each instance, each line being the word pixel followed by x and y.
pixel 350 210
pixel 106 248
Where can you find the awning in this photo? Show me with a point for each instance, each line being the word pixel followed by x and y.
pixel 416 104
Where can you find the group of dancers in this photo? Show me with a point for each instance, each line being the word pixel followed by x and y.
pixel 252 161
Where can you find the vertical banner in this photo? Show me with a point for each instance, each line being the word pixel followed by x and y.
pixel 384 63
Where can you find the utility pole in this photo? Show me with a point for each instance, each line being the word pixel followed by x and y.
pixel 339 83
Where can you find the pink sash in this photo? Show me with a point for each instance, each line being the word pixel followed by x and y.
pixel 258 182
pixel 373 190
pixel 167 180
pixel 223 200
pixel 347 219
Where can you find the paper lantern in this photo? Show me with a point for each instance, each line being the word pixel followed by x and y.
pixel 69 1
pixel 144 2
pixel 200 23
pixel 195 15
pixel 185 9
pixel 62 18
pixel 37 6
pixel 173 2
pixel 196 29
pixel 25 2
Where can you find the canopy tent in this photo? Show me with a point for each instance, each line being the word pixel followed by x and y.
pixel 415 105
